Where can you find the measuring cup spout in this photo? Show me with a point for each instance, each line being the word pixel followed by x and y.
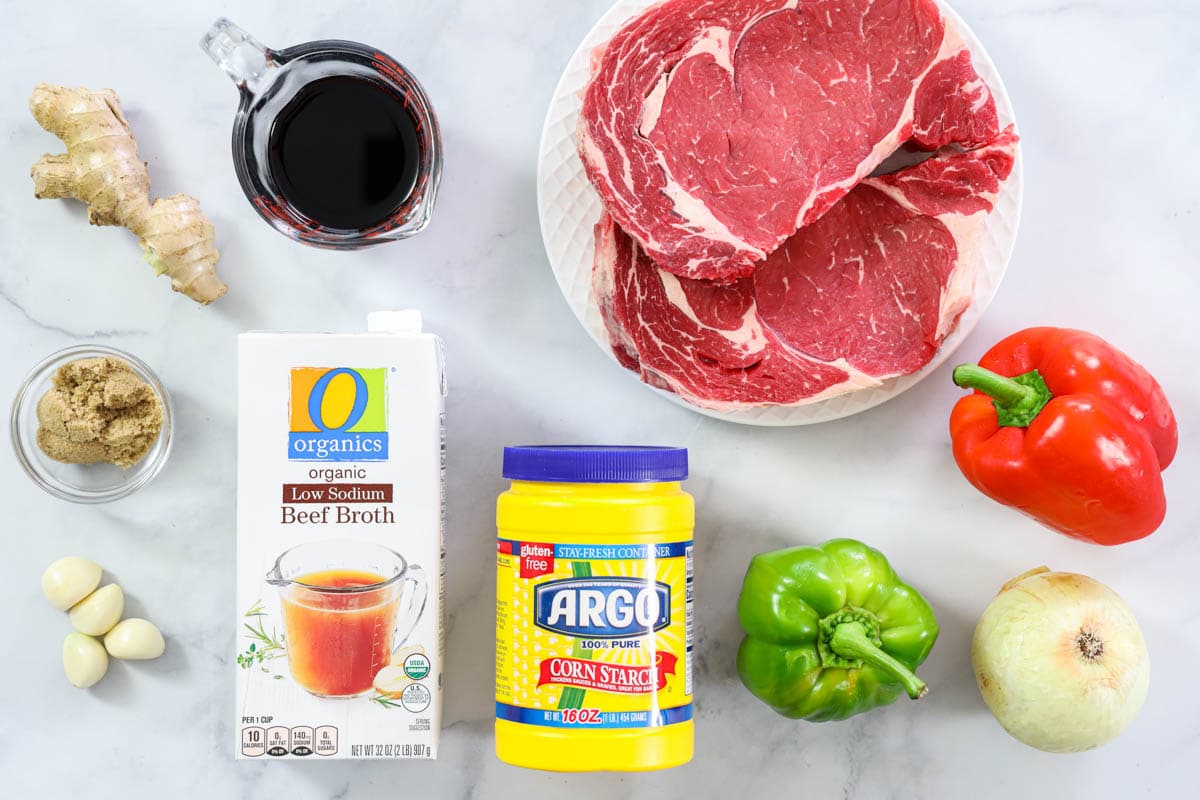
pixel 243 58
pixel 275 576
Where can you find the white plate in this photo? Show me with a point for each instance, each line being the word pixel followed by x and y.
pixel 569 208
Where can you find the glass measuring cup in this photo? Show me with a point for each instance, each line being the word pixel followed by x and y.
pixel 344 612
pixel 268 80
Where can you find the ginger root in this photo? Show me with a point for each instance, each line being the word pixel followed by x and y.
pixel 101 167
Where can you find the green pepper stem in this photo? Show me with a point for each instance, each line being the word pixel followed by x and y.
pixel 1018 400
pixel 850 640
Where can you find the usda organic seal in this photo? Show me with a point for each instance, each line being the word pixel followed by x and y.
pixel 416 666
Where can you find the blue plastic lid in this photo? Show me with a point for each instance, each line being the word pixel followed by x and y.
pixel 596 464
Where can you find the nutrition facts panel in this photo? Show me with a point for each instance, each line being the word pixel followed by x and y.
pixel 689 614
pixel 279 741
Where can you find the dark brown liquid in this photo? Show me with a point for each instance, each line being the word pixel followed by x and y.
pixel 344 152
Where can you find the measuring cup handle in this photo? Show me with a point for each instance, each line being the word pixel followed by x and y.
pixel 415 607
pixel 238 53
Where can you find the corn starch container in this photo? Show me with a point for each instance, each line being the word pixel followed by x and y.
pixel 594 609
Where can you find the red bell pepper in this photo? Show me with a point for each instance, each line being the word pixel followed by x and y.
pixel 1068 429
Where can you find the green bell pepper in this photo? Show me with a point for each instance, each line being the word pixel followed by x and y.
pixel 831 631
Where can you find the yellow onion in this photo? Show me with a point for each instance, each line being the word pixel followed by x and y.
pixel 1060 661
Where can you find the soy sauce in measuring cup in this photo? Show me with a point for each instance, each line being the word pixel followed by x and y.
pixel 335 143
pixel 344 152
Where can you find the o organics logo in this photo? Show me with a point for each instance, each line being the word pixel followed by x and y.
pixel 338 414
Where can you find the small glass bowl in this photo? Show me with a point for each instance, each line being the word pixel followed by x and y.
pixel 84 483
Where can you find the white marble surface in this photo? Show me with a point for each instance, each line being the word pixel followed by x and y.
pixel 1106 93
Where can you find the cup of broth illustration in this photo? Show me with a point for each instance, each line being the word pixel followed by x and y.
pixel 335 143
pixel 347 606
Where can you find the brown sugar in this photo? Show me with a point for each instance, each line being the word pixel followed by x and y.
pixel 98 410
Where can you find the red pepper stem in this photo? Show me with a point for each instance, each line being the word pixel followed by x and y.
pixel 1018 400
pixel 850 640
pixel 999 388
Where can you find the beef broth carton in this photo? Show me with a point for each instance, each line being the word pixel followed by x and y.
pixel 339 543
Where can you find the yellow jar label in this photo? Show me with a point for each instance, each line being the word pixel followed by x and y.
pixel 594 636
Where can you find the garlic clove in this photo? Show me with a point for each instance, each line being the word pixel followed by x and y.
pixel 97 613
pixel 69 580
pixel 135 639
pixel 84 660
pixel 391 681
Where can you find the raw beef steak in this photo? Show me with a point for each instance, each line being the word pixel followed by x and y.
pixel 865 293
pixel 715 129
